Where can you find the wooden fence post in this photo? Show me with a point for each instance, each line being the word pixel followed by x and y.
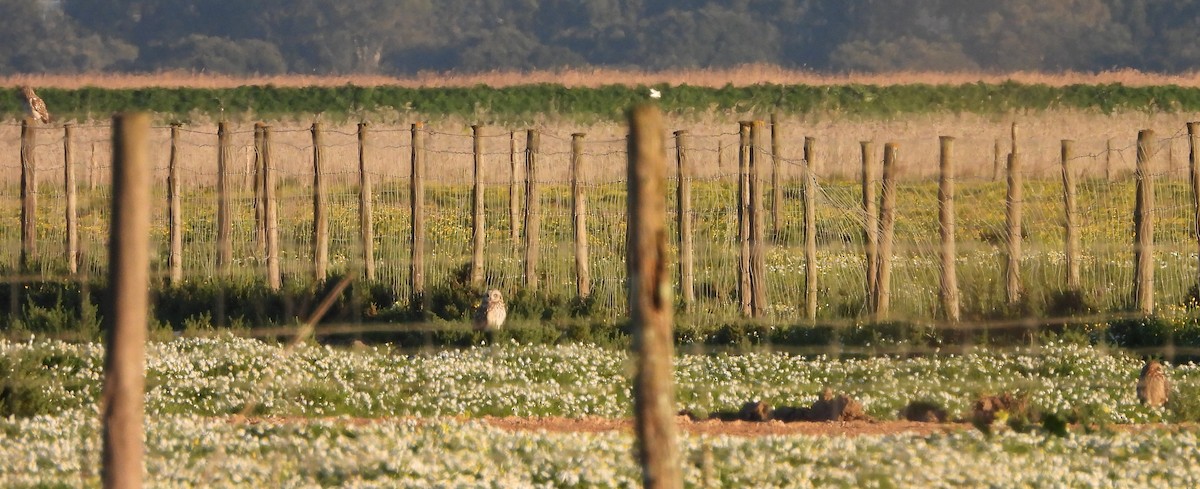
pixel 810 228
pixel 887 231
pixel 997 157
pixel 174 212
pixel 417 208
pixel 683 201
pixel 224 219
pixel 533 210
pixel 650 302
pixel 949 289
pixel 870 222
pixel 1014 202
pixel 776 178
pixel 260 207
pixel 745 293
pixel 477 221
pixel 71 206
pixel 129 276
pixel 1193 129
pixel 1143 225
pixel 91 169
pixel 1108 158
pixel 758 248
pixel 320 236
pixel 514 195
pixel 1070 224
pixel 28 194
pixel 270 211
pixel 366 211
pixel 583 274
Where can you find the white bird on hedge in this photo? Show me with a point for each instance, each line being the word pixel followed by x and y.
pixel 655 93
pixel 491 312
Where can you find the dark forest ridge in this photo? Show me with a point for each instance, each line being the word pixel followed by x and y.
pixel 746 75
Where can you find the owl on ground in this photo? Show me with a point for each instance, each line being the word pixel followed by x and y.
pixel 1152 386
pixel 34 106
pixel 491 312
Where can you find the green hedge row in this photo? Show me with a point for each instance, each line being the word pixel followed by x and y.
pixel 607 102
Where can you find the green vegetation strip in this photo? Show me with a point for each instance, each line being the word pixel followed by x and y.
pixel 608 102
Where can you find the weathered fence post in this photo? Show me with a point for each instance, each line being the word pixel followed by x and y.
pixel 1108 158
pixel 1143 225
pixel 949 289
pixel 270 210
pixel 650 302
pixel 28 194
pixel 758 249
pixel 477 221
pixel 745 293
pixel 224 218
pixel 683 201
pixel 776 177
pixel 810 228
pixel 260 207
pixel 320 236
pixel 91 169
pixel 366 211
pixel 174 211
pixel 71 206
pixel 997 156
pixel 887 231
pixel 1070 224
pixel 533 210
pixel 514 196
pixel 417 209
pixel 583 274
pixel 1193 129
pixel 870 222
pixel 1014 203
pixel 129 276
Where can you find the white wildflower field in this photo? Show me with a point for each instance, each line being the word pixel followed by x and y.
pixel 380 418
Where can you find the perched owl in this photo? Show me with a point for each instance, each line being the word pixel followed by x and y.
pixel 34 106
pixel 491 312
pixel 1152 387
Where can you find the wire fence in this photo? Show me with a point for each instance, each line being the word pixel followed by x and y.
pixel 1103 166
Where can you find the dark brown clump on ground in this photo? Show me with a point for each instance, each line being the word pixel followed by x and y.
pixel 923 412
pixel 983 412
pixel 829 407
pixel 756 411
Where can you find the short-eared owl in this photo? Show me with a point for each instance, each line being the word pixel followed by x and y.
pixel 34 106
pixel 491 312
pixel 1153 387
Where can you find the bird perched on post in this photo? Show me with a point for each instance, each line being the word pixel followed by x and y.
pixel 34 106
pixel 491 312
pixel 1153 387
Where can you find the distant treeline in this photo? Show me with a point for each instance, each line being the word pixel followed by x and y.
pixel 608 102
pixel 410 36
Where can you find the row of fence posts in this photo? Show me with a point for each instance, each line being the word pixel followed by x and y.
pixel 879 222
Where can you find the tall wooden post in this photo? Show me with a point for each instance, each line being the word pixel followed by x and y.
pixel 870 222
pixel 224 218
pixel 683 201
pixel 810 228
pixel 583 274
pixel 533 211
pixel 320 236
pixel 129 276
pixel 477 221
pixel 366 211
pixel 1070 224
pixel 1014 203
pixel 758 216
pixel 417 203
pixel 91 169
pixel 72 240
pixel 745 293
pixel 949 289
pixel 1143 225
pixel 514 195
pixel 174 211
pixel 776 177
pixel 1108 159
pixel 28 194
pixel 887 231
pixel 270 210
pixel 650 302
pixel 259 185
pixel 997 158
pixel 1193 129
